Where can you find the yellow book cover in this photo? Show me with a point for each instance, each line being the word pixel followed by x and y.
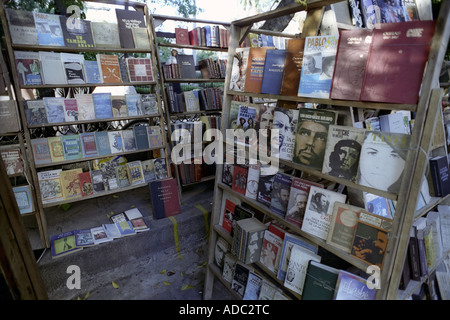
pixel 70 184
pixel 56 149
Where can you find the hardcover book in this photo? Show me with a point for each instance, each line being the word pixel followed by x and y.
pixel 292 67
pixel 86 108
pixel 273 71
pixel 343 226
pixel 50 186
pixel 21 26
pixel 368 13
pixel 54 108
pixel 399 51
pixel 140 69
pixel 24 199
pixel 297 267
pixel 12 159
pixel 319 211
pixel 35 112
pixel 52 68
pixel 85 181
pixel 165 198
pixel 439 171
pixel 56 148
pixel 74 67
pixel 320 281
pixel 41 151
pixel 105 34
pixel 48 28
pixel 102 105
pixel 70 183
pixel 71 146
pixel 352 287
pixel 77 32
pixel 102 142
pixel 9 118
pixel 281 188
pixel 63 244
pixel 140 38
pixel 28 67
pixel 70 109
pixel 342 151
pixel 255 69
pixel 108 65
pixel 126 21
pixel 318 66
pixel 187 66
pixel 92 72
pixel 115 141
pixel 239 69
pixel 182 36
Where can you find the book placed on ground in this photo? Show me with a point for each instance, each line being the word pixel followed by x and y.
pixel 48 28
pixel 24 198
pixel 63 244
pixel 136 219
pixel 84 238
pixel 320 281
pixel 111 231
pixel 125 228
pixel 21 26
pixel 165 198
pixel 352 287
pixel 70 109
pixel 99 234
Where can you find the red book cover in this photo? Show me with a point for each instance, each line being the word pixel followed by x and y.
pixel 12 161
pixel 397 61
pixel 165 198
pixel 193 37
pixel 227 221
pixel 351 60
pixel 182 36
pixel 240 179
pixel 85 183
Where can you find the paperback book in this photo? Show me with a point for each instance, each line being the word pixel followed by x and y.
pixel 48 28
pixel 35 112
pixel 21 26
pixel 77 32
pixel 53 71
pixel 105 34
pixel 54 108
pixel 28 67
pixel 50 186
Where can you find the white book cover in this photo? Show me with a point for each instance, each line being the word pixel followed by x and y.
pixel 74 67
pixel 50 186
pixel 52 68
pixel 319 211
pixel 115 141
pixel 21 26
pixel 133 213
pixel 86 109
pixel 285 121
pixel 252 181
pixel 296 271
pixel 99 235
pixel 54 107
pixel 105 34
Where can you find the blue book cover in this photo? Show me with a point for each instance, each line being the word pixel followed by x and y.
pixel 352 287
pixel 48 28
pixel 141 136
pixel 72 147
pixel 273 71
pixel 102 105
pixel 208 35
pixel 281 189
pixel 102 141
pixel 134 104
pixel 54 108
pixel 91 71
pixel 24 199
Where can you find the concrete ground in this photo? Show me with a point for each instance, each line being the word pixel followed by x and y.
pixel 168 262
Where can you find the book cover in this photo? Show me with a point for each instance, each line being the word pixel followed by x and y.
pixel 140 38
pixel 28 67
pixel 378 205
pixel 182 36
pixel 252 181
pixel 99 234
pixel 298 198
pixel 35 112
pixel 165 198
pixel 70 109
pixel 281 188
pixel 48 28
pixel 108 65
pixel 273 71
pixel 265 186
pixel 9 117
pixel 148 170
pixel 297 267
pixel 41 151
pixel 240 174
pixel 108 168
pixel 85 181
pixel 102 142
pixel 129 143
pixel 253 287
pixel 52 68
pixel 395 122
pixel 271 251
pixel 320 281
pixel 239 69
pixel 123 176
pixel 126 21
pixel 229 203
pixel 102 105
pixel 63 244
pixel 111 231
pixel 382 160
pixel 141 136
pixel 292 67
pixel 84 238
pixel 187 66
pixel 351 60
pixel 50 186
pixel 91 71
pixel 119 106
pixel 56 148
pixel 154 136
pixel 240 278
pixel 54 108
pixel 105 34
pixel 115 141
pixel 311 136
pixel 319 211
pixel 24 198
pixel 134 104
pixel 140 69
pixel 149 104
pixel 70 183
pixel 191 100
pixel 439 171
pixel 12 159
pixel 318 66
pixel 72 146
pixel 285 121
pixel 86 108
pixel 247 117
pixel 160 168
pixel 21 26
pixel 399 51
pixel 77 32
pixel 352 287
pixel 125 228
pixel 343 226
pixel 387 11
pixel 97 181
pixel 74 67
pixel 255 69
pixel 368 13
pixel 342 151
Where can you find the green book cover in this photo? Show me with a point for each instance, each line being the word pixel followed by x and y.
pixel 72 147
pixel 320 282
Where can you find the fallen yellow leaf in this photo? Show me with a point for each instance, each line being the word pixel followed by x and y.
pixel 87 295
pixel 162 271
pixel 167 283
pixel 115 285
pixel 184 287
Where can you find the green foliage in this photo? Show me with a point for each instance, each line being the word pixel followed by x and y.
pixel 185 8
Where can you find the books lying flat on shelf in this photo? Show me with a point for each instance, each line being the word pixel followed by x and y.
pixel 24 199
pixel 50 186
pixel 105 34
pixel 63 244
pixel 165 198
pixel 48 28
pixel 52 68
pixel 77 32
pixel 126 21
pixel 21 26
pixel 28 67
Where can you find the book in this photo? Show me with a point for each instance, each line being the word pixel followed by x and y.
pixel 378 205
pixel 292 67
pixel 220 249
pixel 141 136
pixel 48 28
pixel 386 12
pixel 71 146
pixel 149 104
pixel 239 69
pixel 85 181
pixel 320 281
pixel 24 198
pixel 123 176
pixel 12 159
pixel 102 142
pixel 155 138
pixel 125 228
pixel 311 136
pixel 134 104
pixel 319 210
pixel 126 21
pixel 9 117
pixel 136 174
pixel 165 198
pixel 371 238
pixel 35 112
pixel 273 71
pixel 317 66
pixel 140 38
pixel 382 160
pixel 105 34
pixel 368 13
pixel 247 239
pixel 21 26
pixel 97 181
pixel 187 66
pixel 240 277
pixel 160 168
pixel 252 181
pixel 119 106
pixel 102 105
pixel 351 59
pixel 108 65
pixel 439 171
pixel 50 186
pixel 99 234
pixel 86 107
pixel 54 109
pixel 253 287
pixel 394 122
pixel 84 238
pixel 352 287
pixel 52 68
pixel 56 148
pixel 140 69
pixel 298 198
pixel 28 67
pixel 41 151
pixel 229 263
pixel 115 141
pixel 63 244
pixel 342 151
pixel 77 32
pixel 182 36
pixel 255 69
pixel 111 231
pixel 148 170
pixel 70 183
pixel 129 143
pixel 226 219
pixel 92 72
pixel 240 174
pixel 191 100
pixel 285 121
pixel 281 187
pixel 297 267
pixel 74 67
pixel 70 109
pixel 108 168
pixel 271 251
pixel 397 46
pixel 343 226
pixel 265 185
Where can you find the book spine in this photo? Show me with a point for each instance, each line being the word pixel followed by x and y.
pixel 436 177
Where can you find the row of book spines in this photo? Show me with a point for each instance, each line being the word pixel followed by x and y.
pixel 213 69
pixel 201 100
pixel 191 173
pixel 207 36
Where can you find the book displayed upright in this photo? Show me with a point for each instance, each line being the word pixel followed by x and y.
pixel 274 66
pixel 28 67
pixel 320 281
pixel 352 287
pixel 74 67
pixel 86 107
pixel 255 69
pixel 102 105
pixel 439 171
pixel 165 198
pixel 140 69
pixel 292 67
pixel 108 65
pixel 9 117
pixel 126 21
pixel 70 109
pixel 35 112
pixel 140 38
pixel 52 68
pixel 54 108
pixel 50 186
pixel 24 198
pixel 77 32
pixel 48 28
pixel 21 26
pixel 105 34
